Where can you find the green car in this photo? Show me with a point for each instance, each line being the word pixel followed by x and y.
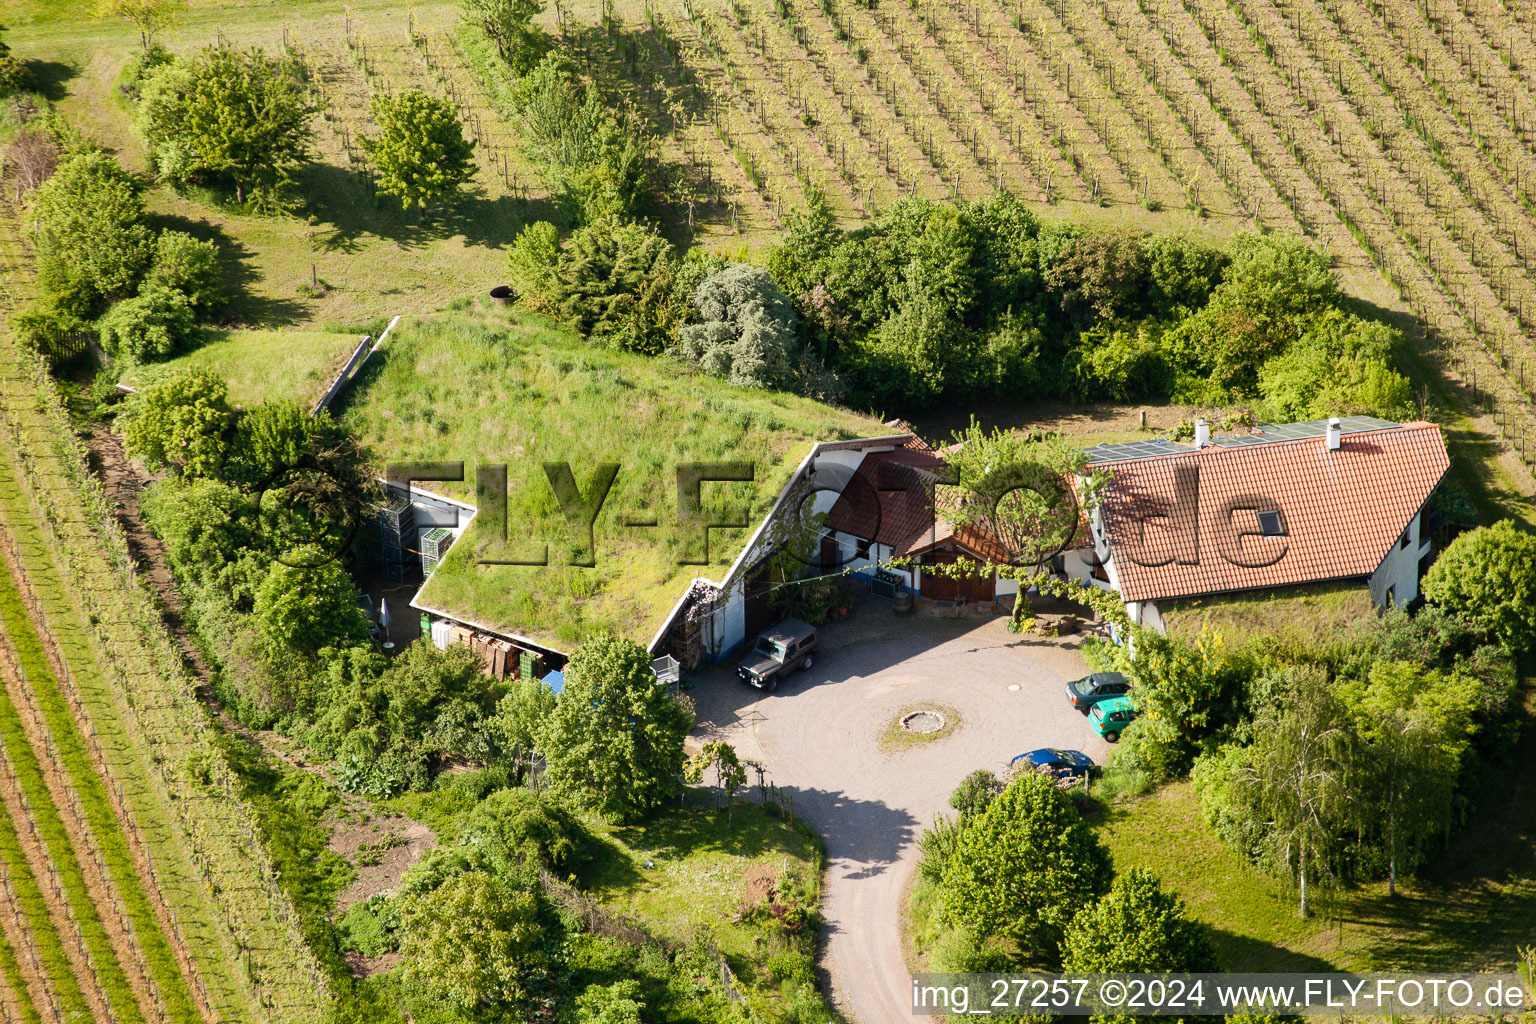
pixel 1110 717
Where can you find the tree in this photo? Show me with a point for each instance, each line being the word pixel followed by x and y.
pixel 730 770
pixel 1297 775
pixel 520 715
pixel 151 325
pixel 1488 577
pixel 1415 725
pixel 229 116
pixel 609 281
pixel 747 334
pixel 421 153
pixel 150 17
pixel 204 524
pixel 1188 694
pixel 476 939
pixel 301 610
pixel 1025 867
pixel 1021 491
pixel 190 266
pixel 509 25
pixel 615 741
pixel 88 233
pixel 1139 927
pixel 181 422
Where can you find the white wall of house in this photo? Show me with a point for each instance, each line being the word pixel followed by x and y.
pixel 1396 579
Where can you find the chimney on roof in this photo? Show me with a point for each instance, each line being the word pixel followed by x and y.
pixel 1202 432
pixel 1335 434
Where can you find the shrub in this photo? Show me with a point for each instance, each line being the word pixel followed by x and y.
pixel 140 67
pixel 516 828
pixel 369 927
pixel 49 330
pixel 421 153
pixel 476 939
pixel 15 76
pixel 151 325
pixel 615 741
pixel 230 117
pixel 301 610
pixel 609 281
pixel 792 965
pixel 180 421
pixel 1137 927
pixel 190 266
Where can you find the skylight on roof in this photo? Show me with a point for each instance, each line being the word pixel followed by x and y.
pixel 1270 524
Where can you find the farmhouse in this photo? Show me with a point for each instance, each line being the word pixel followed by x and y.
pixel 1341 499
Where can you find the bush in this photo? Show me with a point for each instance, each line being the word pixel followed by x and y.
pixel 152 325
pixel 368 928
pixel 230 117
pixel 180 421
pixel 609 281
pixel 792 965
pixel 15 76
pixel 516 828
pixel 1137 927
pixel 421 153
pixel 615 741
pixel 301 610
pixel 140 67
pixel 49 330
pixel 191 267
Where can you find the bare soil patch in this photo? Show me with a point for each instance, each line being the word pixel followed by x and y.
pixel 380 849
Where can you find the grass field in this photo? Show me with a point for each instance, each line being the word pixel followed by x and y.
pixel 1472 914
pixel 690 869
pixel 485 388
pixel 262 366
pixel 1312 610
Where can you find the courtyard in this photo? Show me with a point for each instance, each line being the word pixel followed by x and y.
pixel 831 738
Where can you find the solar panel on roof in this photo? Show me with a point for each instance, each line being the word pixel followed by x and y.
pixel 1264 433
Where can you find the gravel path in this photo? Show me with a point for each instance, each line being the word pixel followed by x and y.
pixel 818 735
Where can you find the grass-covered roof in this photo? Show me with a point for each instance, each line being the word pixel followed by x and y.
pixel 485 389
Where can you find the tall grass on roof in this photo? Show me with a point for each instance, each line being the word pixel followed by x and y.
pixel 484 389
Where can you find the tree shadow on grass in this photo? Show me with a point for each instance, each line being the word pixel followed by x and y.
pixel 1473 906
pixel 349 212
pixel 1243 953
pixel 50 78
pixel 245 305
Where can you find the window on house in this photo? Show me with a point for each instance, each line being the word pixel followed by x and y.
pixel 1392 596
pixel 1404 542
pixel 1270 524
pixel 861 550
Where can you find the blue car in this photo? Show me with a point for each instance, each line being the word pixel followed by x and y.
pixel 1058 762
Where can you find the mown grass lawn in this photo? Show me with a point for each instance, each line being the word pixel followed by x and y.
pixel 263 366
pixel 1470 910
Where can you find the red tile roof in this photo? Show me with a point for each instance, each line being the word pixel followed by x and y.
pixel 1342 511
pixel 890 501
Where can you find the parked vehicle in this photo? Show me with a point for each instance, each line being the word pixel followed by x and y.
pixel 779 651
pixel 1084 693
pixel 1110 717
pixel 1058 762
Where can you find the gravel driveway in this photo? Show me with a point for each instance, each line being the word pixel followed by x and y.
pixel 818 735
